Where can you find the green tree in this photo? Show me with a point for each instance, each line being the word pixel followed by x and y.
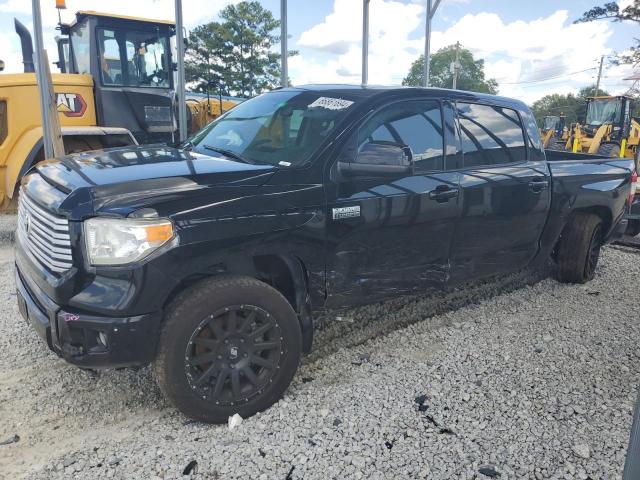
pixel 612 11
pixel 235 54
pixel 572 106
pixel 470 77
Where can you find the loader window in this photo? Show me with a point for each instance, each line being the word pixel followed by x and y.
pixel 134 59
pixel 81 48
pixel 604 111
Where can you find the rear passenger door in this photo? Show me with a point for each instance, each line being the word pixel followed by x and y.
pixel 505 194
pixel 390 235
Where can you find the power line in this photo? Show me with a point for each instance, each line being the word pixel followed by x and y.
pixel 548 78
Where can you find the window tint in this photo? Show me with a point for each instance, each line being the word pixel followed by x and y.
pixel 490 135
pixel 415 124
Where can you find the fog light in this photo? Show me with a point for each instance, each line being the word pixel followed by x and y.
pixel 102 339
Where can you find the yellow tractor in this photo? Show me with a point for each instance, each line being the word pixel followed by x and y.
pixel 116 88
pixel 554 132
pixel 609 129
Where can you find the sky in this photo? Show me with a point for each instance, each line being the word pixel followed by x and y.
pixel 530 48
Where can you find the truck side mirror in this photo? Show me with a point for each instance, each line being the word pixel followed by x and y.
pixel 379 159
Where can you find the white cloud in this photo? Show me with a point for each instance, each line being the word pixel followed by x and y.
pixel 340 34
pixel 515 52
pixel 15 6
pixel 195 12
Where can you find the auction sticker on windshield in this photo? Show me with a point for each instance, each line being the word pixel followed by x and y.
pixel 331 103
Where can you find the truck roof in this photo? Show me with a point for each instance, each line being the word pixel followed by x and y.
pixel 370 91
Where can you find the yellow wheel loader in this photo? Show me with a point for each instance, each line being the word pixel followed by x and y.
pixel 554 132
pixel 609 129
pixel 116 88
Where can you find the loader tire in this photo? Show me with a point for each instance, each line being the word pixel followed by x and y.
pixel 579 248
pixel 609 149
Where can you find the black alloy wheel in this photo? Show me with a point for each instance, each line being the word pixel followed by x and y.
pixel 594 252
pixel 233 354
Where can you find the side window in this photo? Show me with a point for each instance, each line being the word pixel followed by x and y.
pixel 417 125
pixel 110 64
pixel 80 38
pixel 490 135
pixel 533 134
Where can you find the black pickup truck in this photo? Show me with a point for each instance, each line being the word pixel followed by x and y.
pixel 208 260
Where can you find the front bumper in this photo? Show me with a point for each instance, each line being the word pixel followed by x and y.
pixel 87 340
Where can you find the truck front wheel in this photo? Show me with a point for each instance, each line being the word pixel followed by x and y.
pixel 579 249
pixel 228 345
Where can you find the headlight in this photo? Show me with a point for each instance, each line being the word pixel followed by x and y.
pixel 118 241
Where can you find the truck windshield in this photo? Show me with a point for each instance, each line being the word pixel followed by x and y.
pixel 280 128
pixel 134 59
pixel 603 111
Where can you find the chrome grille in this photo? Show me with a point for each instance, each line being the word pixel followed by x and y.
pixel 44 235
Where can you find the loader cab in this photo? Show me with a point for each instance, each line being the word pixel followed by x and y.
pixel 614 111
pixel 130 61
pixel 555 123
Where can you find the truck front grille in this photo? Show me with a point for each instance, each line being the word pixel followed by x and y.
pixel 44 235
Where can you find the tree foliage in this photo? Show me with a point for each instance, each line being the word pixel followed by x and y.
pixel 572 106
pixel 612 11
pixel 470 77
pixel 234 55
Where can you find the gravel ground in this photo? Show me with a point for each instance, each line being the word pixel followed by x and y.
pixel 535 383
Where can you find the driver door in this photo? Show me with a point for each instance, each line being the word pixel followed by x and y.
pixel 389 232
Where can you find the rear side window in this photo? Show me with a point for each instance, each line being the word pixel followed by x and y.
pixel 415 124
pixel 490 135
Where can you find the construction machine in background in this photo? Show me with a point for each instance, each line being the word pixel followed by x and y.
pixel 554 133
pixel 609 128
pixel 116 88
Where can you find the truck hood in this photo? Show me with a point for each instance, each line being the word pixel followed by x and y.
pixel 134 164
pixel 124 176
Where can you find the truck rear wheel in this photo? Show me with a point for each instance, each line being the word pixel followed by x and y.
pixel 228 345
pixel 633 228
pixel 579 249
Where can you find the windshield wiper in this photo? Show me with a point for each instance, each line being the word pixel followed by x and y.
pixel 228 153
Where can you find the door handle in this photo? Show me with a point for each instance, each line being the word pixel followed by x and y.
pixel 443 194
pixel 536 186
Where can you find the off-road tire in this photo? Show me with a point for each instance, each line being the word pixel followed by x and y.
pixel 609 149
pixel 182 320
pixel 579 248
pixel 556 144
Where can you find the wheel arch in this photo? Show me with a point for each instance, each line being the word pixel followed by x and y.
pixel 600 211
pixel 286 273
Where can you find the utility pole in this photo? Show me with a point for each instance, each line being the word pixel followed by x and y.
pixel 599 76
pixel 284 50
pixel 365 42
pixel 180 87
pixel 456 66
pixel 431 10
